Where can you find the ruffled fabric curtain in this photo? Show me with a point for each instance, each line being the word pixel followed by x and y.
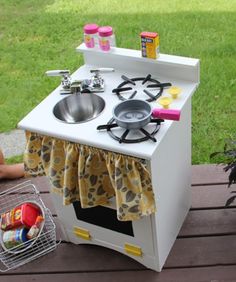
pixel 91 175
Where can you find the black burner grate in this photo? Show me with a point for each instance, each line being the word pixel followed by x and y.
pixel 130 84
pixel 123 136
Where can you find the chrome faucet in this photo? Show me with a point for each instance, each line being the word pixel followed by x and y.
pixel 96 83
pixel 68 86
pixel 65 80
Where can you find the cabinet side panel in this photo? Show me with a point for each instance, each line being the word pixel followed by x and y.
pixel 171 177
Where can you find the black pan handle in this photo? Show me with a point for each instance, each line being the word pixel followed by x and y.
pixel 107 126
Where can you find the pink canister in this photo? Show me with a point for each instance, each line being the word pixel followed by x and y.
pixel 106 38
pixel 90 35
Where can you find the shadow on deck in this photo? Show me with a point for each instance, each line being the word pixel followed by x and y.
pixel 203 251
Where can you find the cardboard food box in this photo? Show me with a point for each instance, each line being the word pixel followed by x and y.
pixel 149 44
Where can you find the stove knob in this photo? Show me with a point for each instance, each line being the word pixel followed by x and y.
pixel 174 91
pixel 164 102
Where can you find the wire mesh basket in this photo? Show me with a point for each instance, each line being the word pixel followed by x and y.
pixel 44 243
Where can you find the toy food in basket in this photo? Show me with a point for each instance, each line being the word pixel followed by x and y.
pixel 23 215
pixel 21 226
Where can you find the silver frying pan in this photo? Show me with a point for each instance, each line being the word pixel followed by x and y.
pixel 132 114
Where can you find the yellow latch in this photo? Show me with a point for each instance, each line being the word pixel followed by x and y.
pixel 133 250
pixel 82 233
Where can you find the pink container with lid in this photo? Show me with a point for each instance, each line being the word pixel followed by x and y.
pixel 106 38
pixel 90 35
pixel 91 28
pixel 105 31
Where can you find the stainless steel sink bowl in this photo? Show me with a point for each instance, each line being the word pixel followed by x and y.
pixel 78 108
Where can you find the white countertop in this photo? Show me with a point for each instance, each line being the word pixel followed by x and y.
pixel 41 119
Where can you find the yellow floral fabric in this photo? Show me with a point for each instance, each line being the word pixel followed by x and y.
pixel 91 175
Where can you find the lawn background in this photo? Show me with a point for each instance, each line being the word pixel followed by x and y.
pixel 36 36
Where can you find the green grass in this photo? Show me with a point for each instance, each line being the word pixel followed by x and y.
pixel 36 36
pixel 14 160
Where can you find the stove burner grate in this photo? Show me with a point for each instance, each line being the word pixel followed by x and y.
pixel 123 137
pixel 131 81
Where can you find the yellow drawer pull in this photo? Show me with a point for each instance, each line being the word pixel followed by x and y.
pixel 133 250
pixel 82 233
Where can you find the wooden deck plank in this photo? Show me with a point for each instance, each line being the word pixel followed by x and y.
pixel 187 252
pixel 211 196
pixel 203 251
pixel 203 196
pixel 209 222
pixel 46 198
pixel 7 184
pixel 208 174
pixel 201 175
pixel 69 257
pixel 41 183
pixel 203 274
pixel 197 223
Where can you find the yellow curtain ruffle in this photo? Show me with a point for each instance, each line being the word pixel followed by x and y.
pixel 91 175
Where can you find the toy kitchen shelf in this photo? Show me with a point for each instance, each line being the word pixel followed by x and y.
pixel 148 240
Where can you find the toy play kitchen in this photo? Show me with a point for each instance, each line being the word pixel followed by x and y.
pixel 115 140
